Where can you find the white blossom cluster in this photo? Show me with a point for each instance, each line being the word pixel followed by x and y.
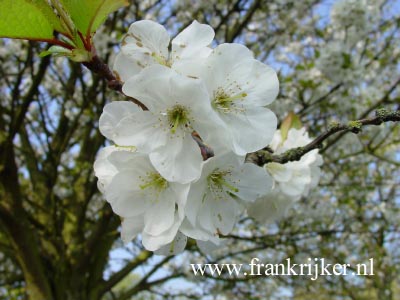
pixel 291 181
pixel 354 18
pixel 160 175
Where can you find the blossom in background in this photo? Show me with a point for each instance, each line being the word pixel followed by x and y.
pixel 291 180
pixel 147 42
pixel 147 202
pixel 271 207
pixel 353 19
pixel 295 178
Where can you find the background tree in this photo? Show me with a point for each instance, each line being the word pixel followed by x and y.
pixel 337 60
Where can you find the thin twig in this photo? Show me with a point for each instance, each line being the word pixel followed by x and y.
pixel 262 157
pixel 97 66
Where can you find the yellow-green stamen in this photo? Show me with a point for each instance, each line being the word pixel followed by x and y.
pixel 229 186
pixel 216 179
pixel 223 101
pixel 156 181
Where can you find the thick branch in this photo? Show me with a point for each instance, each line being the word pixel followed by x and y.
pixel 381 116
pixel 143 283
pixel 117 277
pixel 22 238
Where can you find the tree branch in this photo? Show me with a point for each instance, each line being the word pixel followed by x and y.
pixel 96 65
pixel 143 283
pixel 118 276
pixel 262 157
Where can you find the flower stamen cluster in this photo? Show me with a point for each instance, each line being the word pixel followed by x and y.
pixel 216 181
pixel 225 103
pixel 178 116
pixel 154 180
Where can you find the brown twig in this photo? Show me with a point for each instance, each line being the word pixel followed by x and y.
pixel 262 157
pixel 97 66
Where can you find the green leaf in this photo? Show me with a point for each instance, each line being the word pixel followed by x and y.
pixel 107 7
pixel 88 15
pixel 48 12
pixel 78 55
pixel 27 20
pixel 291 121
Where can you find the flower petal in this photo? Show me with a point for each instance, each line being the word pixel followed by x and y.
pixel 145 41
pixel 104 170
pixel 270 208
pixel 224 215
pixel 297 184
pixel 194 232
pixel 279 172
pixel 208 247
pixel 252 130
pixel 125 196
pixel 175 247
pixel 160 216
pixel 257 80
pixel 252 182
pixel 232 70
pixel 131 227
pixel 125 68
pixel 112 114
pixel 190 43
pixel 178 161
pixel 195 200
pixel 222 62
pixel 153 243
pixel 205 219
pixel 160 88
pixel 143 130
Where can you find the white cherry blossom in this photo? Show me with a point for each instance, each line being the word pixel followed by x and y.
pixel 291 180
pixel 178 105
pixel 146 201
pixel 297 177
pixel 147 42
pixel 218 197
pixel 240 87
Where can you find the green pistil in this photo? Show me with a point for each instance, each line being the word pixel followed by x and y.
pixel 176 124
pixel 217 179
pixel 224 102
pixel 156 181
pixel 177 116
